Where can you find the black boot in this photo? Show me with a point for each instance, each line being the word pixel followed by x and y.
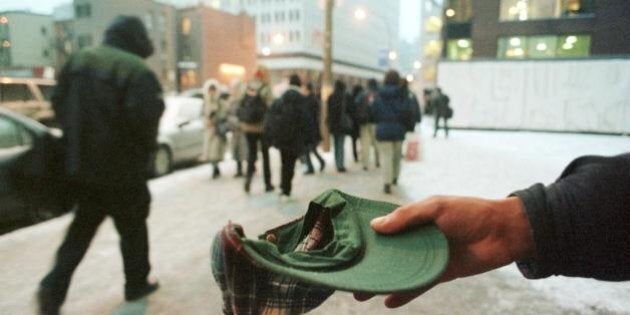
pixel 239 169
pixel 248 184
pixel 216 173
pixel 49 301
pixel 132 294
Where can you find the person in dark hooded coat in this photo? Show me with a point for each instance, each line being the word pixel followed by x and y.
pixel 293 144
pixel 338 107
pixel 109 104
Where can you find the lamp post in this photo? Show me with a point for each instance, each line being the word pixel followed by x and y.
pixel 326 88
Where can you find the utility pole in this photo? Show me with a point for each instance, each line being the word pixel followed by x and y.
pixel 326 73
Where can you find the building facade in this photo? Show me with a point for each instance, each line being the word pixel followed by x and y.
pixel 290 36
pixel 545 65
pixel 27 40
pixel 430 42
pixel 536 29
pixel 214 44
pixel 92 17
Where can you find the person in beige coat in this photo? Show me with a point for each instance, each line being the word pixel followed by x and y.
pixel 215 112
pixel 238 143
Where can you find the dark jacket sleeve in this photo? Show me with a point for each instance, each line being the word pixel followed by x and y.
pixel 144 108
pixel 581 223
pixel 61 91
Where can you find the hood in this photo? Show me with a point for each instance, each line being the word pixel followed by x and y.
pixel 292 94
pixel 129 34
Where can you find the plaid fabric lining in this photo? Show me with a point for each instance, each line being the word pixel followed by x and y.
pixel 250 289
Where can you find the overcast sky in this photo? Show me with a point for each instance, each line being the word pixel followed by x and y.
pixel 409 20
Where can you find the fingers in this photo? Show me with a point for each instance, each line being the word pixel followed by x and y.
pixel 361 297
pixel 409 215
pixel 400 299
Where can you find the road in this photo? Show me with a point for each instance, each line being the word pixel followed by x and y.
pixel 189 208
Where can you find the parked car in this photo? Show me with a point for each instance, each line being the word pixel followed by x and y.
pixel 29 97
pixel 21 139
pixel 180 137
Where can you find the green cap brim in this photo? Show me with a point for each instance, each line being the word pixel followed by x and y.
pixel 389 263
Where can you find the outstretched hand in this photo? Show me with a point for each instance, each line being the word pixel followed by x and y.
pixel 482 235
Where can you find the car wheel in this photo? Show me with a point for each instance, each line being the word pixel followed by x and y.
pixel 162 162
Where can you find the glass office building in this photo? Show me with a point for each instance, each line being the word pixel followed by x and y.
pixel 535 29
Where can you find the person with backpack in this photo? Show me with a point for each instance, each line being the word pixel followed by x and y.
pixel 367 138
pixel 414 105
pixel 252 112
pixel 313 131
pixel 391 109
pixel 339 121
pixel 442 109
pixel 286 126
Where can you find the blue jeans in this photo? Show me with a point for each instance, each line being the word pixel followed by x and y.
pixel 340 140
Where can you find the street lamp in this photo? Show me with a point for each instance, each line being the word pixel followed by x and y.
pixel 361 14
pixel 266 51
pixel 278 39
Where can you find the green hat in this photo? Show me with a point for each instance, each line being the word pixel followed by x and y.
pixel 352 257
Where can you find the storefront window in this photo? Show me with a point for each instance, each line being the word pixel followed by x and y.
pixel 573 46
pixel 432 49
pixel 459 49
pixel 523 10
pixel 548 46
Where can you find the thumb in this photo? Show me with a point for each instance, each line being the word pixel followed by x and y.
pixel 403 218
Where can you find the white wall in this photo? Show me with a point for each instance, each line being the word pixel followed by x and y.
pixel 566 95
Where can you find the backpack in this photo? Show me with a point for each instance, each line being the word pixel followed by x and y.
pixel 281 124
pixel 363 114
pixel 252 109
pixel 448 110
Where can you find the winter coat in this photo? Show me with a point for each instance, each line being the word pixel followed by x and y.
pixel 267 95
pixel 238 141
pixel 335 107
pixel 388 108
pixel 299 134
pixel 313 136
pixel 216 113
pixel 580 223
pixel 109 105
pixel 415 106
pixel 440 103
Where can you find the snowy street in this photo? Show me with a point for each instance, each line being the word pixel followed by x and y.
pixel 188 208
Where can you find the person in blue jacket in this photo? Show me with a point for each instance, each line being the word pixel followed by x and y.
pixel 389 110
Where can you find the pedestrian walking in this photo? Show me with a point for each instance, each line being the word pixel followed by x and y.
pixel 286 126
pixel 367 138
pixel 314 137
pixel 442 110
pixel 412 99
pixel 257 100
pixel 215 112
pixel 339 121
pixel 391 109
pixel 352 111
pixel 238 140
pixel 108 103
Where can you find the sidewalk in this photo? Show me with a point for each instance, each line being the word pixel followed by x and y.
pixel 188 209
